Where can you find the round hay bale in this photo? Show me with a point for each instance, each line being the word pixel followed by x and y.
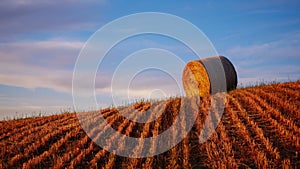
pixel 209 76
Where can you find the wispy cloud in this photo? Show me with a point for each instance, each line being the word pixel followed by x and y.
pixel 47 64
pixel 264 11
pixel 31 17
pixel 287 48
pixel 276 60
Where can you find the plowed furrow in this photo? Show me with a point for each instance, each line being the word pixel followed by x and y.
pixel 290 112
pixel 41 145
pixel 141 147
pixel 284 92
pixel 14 150
pixel 89 151
pixel 121 140
pixel 255 131
pixel 23 139
pixel 46 158
pixel 80 143
pixel 287 122
pixel 285 142
pixel 8 129
pixel 244 147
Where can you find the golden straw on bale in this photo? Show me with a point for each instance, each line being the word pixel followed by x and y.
pixel 209 76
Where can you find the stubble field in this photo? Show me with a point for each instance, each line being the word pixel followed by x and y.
pixel 260 128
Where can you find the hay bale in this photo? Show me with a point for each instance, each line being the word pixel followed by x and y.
pixel 209 76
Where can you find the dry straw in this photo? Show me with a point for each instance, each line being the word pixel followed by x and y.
pixel 207 76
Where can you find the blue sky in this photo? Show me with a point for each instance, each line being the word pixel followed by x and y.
pixel 40 41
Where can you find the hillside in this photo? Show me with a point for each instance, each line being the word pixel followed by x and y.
pixel 260 128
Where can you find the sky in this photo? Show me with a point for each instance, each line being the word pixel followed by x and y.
pixel 41 40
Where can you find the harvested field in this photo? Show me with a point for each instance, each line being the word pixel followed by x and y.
pixel 260 128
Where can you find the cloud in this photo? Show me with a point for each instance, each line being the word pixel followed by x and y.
pixel 288 49
pixel 264 11
pixel 276 60
pixel 31 17
pixel 51 53
pixel 47 64
pixel 50 64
